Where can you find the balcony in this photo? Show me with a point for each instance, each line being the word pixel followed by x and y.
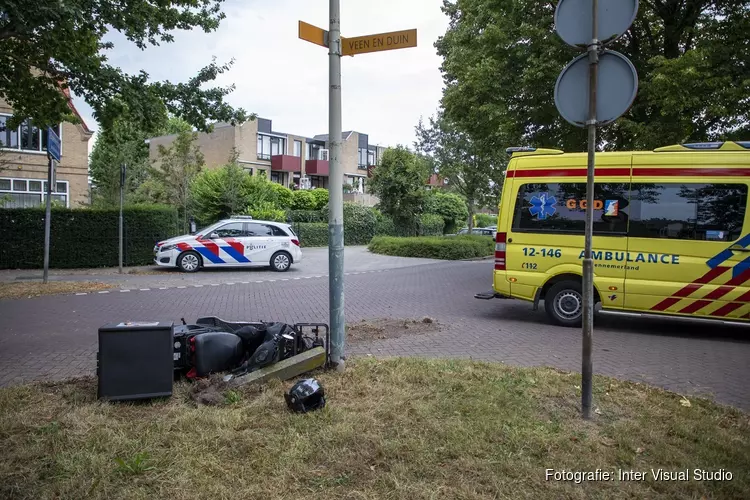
pixel 316 167
pixel 286 163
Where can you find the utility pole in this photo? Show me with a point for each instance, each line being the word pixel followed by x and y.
pixel 122 202
pixel 339 46
pixel 336 193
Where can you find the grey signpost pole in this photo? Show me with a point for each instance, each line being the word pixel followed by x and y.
pixel 122 201
pixel 335 188
pixel 48 216
pixel 611 77
pixel 588 263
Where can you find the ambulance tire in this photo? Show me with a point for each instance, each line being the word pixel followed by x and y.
pixel 564 303
pixel 281 262
pixel 189 262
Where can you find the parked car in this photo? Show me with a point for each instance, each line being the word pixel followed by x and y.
pixel 238 241
pixel 483 231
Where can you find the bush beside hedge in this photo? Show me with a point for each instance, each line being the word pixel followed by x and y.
pixel 435 247
pixel 83 237
pixel 312 234
pixel 431 225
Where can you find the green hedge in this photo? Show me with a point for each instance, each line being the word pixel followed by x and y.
pixel 431 225
pixel 435 247
pixel 83 237
pixel 312 234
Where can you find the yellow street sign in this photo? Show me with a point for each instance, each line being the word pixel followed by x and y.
pixel 313 34
pixel 376 43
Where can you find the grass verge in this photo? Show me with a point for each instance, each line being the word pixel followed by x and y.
pixel 25 290
pixel 398 428
pixel 434 247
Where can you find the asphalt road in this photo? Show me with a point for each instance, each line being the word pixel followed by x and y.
pixel 55 337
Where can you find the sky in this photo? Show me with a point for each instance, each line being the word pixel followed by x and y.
pixel 285 79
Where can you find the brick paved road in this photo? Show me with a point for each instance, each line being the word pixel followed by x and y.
pixel 55 337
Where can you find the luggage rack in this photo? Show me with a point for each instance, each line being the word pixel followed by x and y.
pixel 299 328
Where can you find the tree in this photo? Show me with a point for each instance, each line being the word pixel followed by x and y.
pixel 399 181
pixel 501 59
pixel 123 142
pixel 220 193
pixel 474 172
pixel 450 206
pixel 52 46
pixel 178 165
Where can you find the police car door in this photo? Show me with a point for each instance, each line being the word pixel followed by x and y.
pixel 227 245
pixel 258 243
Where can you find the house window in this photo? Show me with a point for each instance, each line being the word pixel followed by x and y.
pixel 26 193
pixel 25 137
pixel 297 148
pixel 313 150
pixel 270 145
pixel 370 158
pixel 362 160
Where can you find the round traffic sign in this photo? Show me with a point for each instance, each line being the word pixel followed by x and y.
pixel 573 20
pixel 615 92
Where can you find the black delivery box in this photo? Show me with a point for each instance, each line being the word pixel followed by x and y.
pixel 135 360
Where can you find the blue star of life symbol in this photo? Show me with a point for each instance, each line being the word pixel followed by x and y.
pixel 543 206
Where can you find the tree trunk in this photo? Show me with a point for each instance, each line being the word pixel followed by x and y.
pixel 470 223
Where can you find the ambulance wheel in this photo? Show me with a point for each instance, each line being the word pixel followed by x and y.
pixel 564 303
pixel 189 262
pixel 281 261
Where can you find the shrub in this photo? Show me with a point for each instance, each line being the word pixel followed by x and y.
pixel 312 234
pixel 83 237
pixel 303 200
pixel 321 197
pixel 306 216
pixel 431 225
pixel 450 206
pixel 267 211
pixel 283 196
pixel 359 223
pixel 435 247
pixel 484 220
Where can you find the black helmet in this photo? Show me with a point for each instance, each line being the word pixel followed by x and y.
pixel 306 395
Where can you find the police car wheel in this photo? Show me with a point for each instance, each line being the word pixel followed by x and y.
pixel 564 303
pixel 281 261
pixel 189 262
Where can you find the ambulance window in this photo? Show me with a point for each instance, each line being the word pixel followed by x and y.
pixel 560 208
pixel 713 212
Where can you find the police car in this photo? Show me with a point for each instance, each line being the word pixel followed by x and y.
pixel 238 241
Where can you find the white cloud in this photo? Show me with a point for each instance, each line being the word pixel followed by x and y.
pixel 283 78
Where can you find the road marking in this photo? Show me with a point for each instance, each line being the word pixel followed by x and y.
pixel 297 278
pixel 144 289
pixel 284 279
pixel 122 291
pixel 197 286
pixel 162 288
pixel 104 291
pixel 259 281
pixel 271 281
pixel 81 294
pixel 245 282
pixel 214 284
pixel 233 283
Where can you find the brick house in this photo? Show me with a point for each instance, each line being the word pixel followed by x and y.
pixel 24 164
pixel 288 159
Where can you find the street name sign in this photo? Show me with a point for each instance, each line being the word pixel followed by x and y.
pixel 376 43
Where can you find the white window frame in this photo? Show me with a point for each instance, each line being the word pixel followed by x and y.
pixel 282 146
pixel 294 151
pixel 31 151
pixel 42 194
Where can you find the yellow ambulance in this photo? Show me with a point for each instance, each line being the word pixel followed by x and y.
pixel 671 232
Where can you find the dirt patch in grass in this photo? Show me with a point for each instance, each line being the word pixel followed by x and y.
pixel 397 428
pixel 25 290
pixel 388 328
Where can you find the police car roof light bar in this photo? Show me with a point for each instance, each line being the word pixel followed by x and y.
pixel 248 217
